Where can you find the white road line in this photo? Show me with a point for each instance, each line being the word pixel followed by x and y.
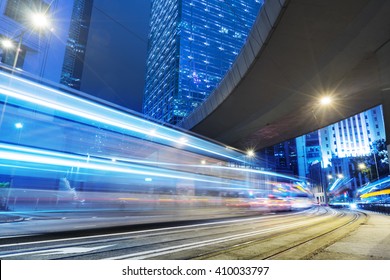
pixel 164 250
pixel 146 231
pixel 178 248
pixel 60 251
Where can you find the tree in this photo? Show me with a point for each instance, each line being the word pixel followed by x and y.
pixel 379 159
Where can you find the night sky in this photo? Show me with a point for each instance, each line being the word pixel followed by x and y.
pixel 115 62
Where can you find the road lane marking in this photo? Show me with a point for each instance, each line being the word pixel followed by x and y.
pixel 59 251
pixel 149 230
pixel 178 248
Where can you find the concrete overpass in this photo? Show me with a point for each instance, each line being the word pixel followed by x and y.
pixel 298 51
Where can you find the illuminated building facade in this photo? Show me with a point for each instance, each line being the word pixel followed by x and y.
pixel 192 44
pixel 76 44
pixel 352 137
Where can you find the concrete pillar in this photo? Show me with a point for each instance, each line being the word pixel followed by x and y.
pixel 383 55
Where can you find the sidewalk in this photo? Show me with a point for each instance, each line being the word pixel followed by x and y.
pixel 371 241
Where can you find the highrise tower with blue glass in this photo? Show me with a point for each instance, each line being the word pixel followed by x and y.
pixel 192 44
pixel 72 68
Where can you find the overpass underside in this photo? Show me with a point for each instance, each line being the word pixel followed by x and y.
pixel 297 52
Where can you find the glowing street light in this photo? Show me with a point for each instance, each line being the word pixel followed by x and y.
pixel 19 125
pixel 250 153
pixel 362 166
pixel 39 21
pixel 7 44
pixel 325 100
pixel 320 106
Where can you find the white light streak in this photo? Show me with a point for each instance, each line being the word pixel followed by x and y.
pixel 81 108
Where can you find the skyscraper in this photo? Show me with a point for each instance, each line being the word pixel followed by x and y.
pixel 115 55
pixel 76 44
pixel 192 44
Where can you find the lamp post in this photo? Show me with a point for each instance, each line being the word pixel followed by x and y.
pixel 6 44
pixel 18 49
pixel 376 166
pixel 362 166
pixel 326 187
pixel 39 21
pixel 250 154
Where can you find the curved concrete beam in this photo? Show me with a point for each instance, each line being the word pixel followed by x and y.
pixel 298 51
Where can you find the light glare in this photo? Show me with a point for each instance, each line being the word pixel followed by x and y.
pixel 362 166
pixel 250 153
pixel 7 44
pixel 40 20
pixel 18 125
pixel 326 100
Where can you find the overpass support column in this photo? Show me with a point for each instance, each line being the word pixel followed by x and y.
pixel 383 55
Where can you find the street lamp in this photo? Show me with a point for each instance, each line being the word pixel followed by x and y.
pixel 325 100
pixel 363 167
pixel 19 125
pixel 7 44
pixel 322 103
pixel 39 21
pixel 376 165
pixel 250 153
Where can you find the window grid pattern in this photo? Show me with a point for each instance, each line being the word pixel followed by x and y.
pixel 354 136
pixel 76 44
pixel 192 44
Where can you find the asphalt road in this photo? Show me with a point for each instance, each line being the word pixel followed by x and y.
pixel 290 235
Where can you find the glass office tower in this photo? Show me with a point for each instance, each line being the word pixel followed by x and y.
pixel 76 43
pixel 192 44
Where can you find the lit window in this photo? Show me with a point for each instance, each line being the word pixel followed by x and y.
pixel 223 30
